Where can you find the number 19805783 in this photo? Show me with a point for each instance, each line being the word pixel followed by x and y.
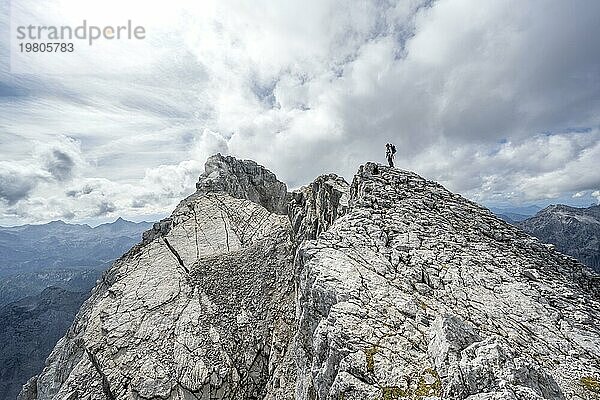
pixel 46 47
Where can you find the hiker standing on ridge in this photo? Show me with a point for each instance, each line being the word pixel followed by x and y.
pixel 390 151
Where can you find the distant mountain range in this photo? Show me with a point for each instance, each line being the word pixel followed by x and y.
pixel 46 272
pixel 16 287
pixel 574 231
pixel 30 328
pixel 31 248
pixel 515 214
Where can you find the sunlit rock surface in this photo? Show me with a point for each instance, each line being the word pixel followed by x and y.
pixel 419 293
pixel 392 288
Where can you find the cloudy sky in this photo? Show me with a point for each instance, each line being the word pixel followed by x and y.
pixel 497 100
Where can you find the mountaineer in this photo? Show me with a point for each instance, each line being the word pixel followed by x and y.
pixel 390 151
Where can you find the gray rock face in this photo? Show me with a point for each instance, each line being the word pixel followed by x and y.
pixel 313 208
pixel 244 179
pixel 467 363
pixel 419 293
pixel 201 309
pixel 191 314
pixel 399 290
pixel 574 231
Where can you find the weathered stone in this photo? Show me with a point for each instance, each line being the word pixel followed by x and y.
pixel 449 336
pixel 244 179
pixel 407 291
pixel 199 310
pixel 313 208
pixel 493 365
pixel 414 286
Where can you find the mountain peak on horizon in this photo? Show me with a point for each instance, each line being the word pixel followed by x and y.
pixel 57 222
pixel 573 230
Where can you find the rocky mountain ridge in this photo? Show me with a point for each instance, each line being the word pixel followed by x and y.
pixel 515 215
pixel 388 288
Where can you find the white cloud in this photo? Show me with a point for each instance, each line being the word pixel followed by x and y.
pixel 529 169
pixel 491 100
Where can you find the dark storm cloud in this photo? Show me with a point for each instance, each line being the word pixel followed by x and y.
pixel 60 165
pixel 15 187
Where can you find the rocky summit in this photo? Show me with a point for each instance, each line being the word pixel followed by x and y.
pixel 390 287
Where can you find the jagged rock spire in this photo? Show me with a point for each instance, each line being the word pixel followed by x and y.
pixel 313 208
pixel 243 179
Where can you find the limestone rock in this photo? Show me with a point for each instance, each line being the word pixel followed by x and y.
pixel 244 179
pixel 399 289
pixel 313 208
pixel 376 289
pixel 449 336
pixel 493 365
pixel 197 311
